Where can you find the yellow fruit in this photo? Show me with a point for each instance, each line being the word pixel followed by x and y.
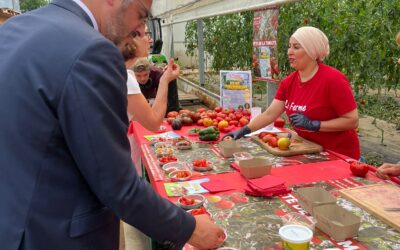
pixel 214 198
pixel 283 143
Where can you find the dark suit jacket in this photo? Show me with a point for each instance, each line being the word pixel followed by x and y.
pixel 66 176
pixel 149 90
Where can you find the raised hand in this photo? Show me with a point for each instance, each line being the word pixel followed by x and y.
pixel 300 120
pixel 171 72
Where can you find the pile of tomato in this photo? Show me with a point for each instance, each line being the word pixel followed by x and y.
pixel 269 138
pixel 187 201
pixel 219 117
pixel 198 211
pixel 182 174
pixel 169 158
pixel 200 163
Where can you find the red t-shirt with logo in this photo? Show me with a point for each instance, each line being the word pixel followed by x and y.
pixel 326 96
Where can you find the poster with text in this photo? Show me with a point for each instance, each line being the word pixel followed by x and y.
pixel 265 54
pixel 236 89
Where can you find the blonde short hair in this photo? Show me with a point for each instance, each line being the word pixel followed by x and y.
pixel 141 65
pixel 313 41
pixel 398 38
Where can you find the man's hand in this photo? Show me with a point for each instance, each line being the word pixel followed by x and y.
pixel 171 72
pixel 300 120
pixel 206 235
pixel 237 134
pixel 387 170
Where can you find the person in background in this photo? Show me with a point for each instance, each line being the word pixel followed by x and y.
pixel 388 169
pixel 149 81
pixel 67 176
pixel 317 98
pixel 150 117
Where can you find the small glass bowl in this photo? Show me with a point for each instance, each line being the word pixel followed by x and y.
pixel 180 175
pixel 173 166
pixel 185 144
pixel 198 201
pixel 209 166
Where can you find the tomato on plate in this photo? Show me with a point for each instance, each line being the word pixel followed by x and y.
pixel 200 163
pixel 198 211
pixel 187 201
pixel 169 158
pixel 182 174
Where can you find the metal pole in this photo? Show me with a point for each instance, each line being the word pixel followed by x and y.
pixel 171 45
pixel 200 46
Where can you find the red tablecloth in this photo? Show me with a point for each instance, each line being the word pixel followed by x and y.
pixel 296 174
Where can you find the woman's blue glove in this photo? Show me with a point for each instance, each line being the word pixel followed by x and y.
pixel 237 134
pixel 300 120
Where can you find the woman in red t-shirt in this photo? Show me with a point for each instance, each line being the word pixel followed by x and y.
pixel 316 97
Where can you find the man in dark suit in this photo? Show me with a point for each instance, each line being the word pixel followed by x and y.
pixel 66 177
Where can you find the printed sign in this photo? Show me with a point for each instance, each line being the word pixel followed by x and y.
pixel 265 53
pixel 236 89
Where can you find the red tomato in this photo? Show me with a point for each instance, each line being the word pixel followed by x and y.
pixel 246 112
pixel 266 138
pixel 184 111
pixel 195 116
pixel 212 115
pixel 226 111
pixel 169 158
pixel 232 116
pixel 172 114
pixel 279 123
pixel 243 121
pixel 200 163
pixel 238 116
pixel 359 169
pixel 182 174
pixel 233 122
pixel 222 115
pixel 273 141
pixel 186 201
pixel 218 109
pixel 262 134
pixel 198 211
pixel 201 110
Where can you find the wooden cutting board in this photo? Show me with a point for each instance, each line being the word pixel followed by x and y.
pixel 298 146
pixel 374 198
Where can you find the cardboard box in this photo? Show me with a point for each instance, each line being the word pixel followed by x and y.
pixel 336 221
pixel 310 197
pixel 228 148
pixel 255 168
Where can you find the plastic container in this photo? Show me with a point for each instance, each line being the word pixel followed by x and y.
pixel 173 166
pixel 242 156
pixel 295 237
